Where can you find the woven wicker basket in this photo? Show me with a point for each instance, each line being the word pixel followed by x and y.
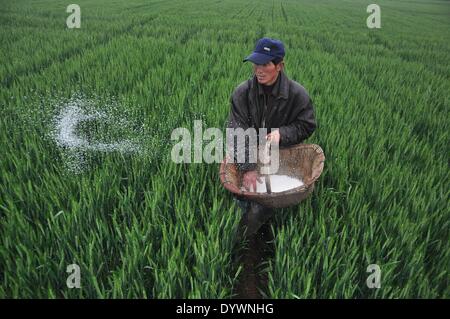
pixel 303 161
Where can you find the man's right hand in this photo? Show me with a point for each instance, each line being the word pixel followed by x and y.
pixel 249 180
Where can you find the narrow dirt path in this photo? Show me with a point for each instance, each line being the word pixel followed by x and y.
pixel 252 281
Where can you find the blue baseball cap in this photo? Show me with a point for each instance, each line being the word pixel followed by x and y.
pixel 266 50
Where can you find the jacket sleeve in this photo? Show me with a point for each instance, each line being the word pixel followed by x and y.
pixel 303 124
pixel 239 117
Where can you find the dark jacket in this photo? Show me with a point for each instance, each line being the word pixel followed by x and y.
pixel 288 108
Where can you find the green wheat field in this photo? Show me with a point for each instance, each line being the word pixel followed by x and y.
pixel 141 226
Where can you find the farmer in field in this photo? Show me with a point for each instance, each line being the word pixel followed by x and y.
pixel 268 100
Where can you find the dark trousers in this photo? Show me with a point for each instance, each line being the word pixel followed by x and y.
pixel 253 245
pixel 253 216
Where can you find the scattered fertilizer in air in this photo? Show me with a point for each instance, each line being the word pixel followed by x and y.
pixel 66 132
pixel 81 129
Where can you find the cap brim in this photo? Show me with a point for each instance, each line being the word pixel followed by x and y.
pixel 259 58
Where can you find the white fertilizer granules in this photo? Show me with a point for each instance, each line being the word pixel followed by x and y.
pixel 278 183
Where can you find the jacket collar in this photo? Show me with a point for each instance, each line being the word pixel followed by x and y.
pixel 280 90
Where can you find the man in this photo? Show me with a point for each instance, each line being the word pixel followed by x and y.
pixel 268 100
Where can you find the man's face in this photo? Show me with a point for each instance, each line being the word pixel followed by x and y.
pixel 267 73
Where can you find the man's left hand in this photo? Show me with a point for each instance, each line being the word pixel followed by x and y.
pixel 274 137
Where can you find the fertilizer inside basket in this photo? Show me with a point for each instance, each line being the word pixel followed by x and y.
pixel 279 183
